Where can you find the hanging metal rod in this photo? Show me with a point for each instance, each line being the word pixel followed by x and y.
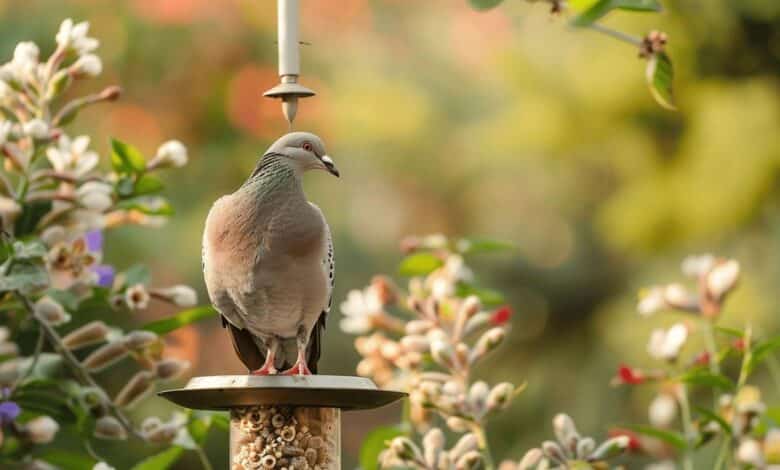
pixel 288 89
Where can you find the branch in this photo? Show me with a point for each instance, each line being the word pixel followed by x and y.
pixel 78 370
pixel 619 35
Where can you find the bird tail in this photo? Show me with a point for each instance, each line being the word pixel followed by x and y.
pixel 245 347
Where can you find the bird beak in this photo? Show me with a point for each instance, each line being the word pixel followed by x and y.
pixel 330 166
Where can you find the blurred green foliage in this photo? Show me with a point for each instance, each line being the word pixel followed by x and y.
pixel 504 122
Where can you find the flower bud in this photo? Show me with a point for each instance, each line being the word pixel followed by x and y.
pixel 41 430
pixel 750 452
pixel 585 447
pixel 469 460
pixel 433 443
pixel 553 451
pixel 134 390
pixel 86 335
pixel 722 278
pixel 405 449
pixel 457 424
pixel 469 307
pixel 105 356
pixel 180 295
pixel 36 128
pixel 487 342
pixel 418 327
pixel 170 154
pixel 95 195
pixel 110 93
pixel 663 410
pixel 102 466
pixel 465 444
pixel 610 448
pixel 479 320
pixel 500 396
pixel 158 432
pixel 50 311
pixel 443 353
pixel 530 459
pixel 58 83
pixel 566 432
pixel 139 339
pixel 416 343
pixel 478 394
pixel 169 369
pixel 108 427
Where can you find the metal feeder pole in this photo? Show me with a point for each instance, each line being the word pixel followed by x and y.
pixel 288 90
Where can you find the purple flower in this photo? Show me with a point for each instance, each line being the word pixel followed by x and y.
pixel 105 275
pixel 94 240
pixel 8 412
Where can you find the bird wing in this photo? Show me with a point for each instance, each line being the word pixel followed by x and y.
pixel 329 265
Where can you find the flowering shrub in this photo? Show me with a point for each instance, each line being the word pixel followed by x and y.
pixel 426 340
pixel 56 201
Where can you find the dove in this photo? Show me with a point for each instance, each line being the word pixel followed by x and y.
pixel 268 260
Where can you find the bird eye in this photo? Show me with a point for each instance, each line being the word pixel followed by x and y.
pixel 307 146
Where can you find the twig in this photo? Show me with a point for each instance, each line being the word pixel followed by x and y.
pixel 619 35
pixel 79 371
pixel 36 357
pixel 204 459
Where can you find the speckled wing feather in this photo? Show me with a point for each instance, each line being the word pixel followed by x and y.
pixel 329 264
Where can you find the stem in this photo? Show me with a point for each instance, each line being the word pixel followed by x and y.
pixel 36 357
pixel 484 446
pixel 78 370
pixel 724 448
pixel 712 348
pixel 687 426
pixel 774 369
pixel 204 459
pixel 619 35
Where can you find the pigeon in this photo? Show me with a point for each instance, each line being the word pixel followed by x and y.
pixel 268 261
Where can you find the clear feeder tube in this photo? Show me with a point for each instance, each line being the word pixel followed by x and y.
pixel 285 437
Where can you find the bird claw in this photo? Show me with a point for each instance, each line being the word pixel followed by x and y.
pixel 265 370
pixel 300 368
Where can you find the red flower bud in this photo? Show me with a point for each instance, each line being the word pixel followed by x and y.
pixel 501 316
pixel 627 375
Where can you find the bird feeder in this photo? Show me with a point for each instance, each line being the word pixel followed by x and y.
pixel 288 90
pixel 277 421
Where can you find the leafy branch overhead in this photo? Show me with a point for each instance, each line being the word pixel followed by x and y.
pixel 659 72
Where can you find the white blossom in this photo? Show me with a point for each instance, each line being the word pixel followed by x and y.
pixel 88 64
pixel 697 265
pixel 137 297
pixel 95 196
pixel 750 452
pixel 102 466
pixel 36 128
pixel 663 410
pixel 170 154
pixel 74 37
pixel 651 301
pixel 722 278
pixel 359 309
pixel 24 63
pixel 667 344
pixel 72 156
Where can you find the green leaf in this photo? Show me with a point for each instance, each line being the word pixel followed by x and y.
pixel 166 325
pixel 67 460
pixel 221 421
pixel 374 443
pixel 733 332
pixel 660 75
pixel 160 461
pixel 419 264
pixel 124 187
pixel 125 158
pixel 484 4
pixel 148 184
pixel 199 427
pixel 137 274
pixel 761 351
pixel 32 213
pixel 482 245
pixel 488 297
pixel 712 416
pixel 593 11
pixel 153 206
pixel 671 437
pixel 708 379
pixel 25 278
pixel 30 250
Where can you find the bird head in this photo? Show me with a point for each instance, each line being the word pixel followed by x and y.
pixel 305 151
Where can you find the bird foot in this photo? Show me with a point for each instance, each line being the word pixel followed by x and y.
pixel 265 370
pixel 300 368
